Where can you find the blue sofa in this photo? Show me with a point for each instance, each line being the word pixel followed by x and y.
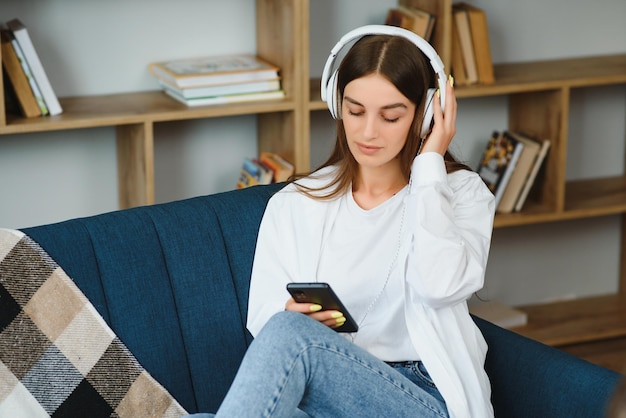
pixel 172 281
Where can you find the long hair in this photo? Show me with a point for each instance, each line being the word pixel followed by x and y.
pixel 407 68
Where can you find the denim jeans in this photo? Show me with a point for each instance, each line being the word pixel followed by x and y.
pixel 297 362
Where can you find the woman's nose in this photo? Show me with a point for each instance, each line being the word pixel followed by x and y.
pixel 371 127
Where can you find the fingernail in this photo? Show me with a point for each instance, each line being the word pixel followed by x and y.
pixel 336 315
pixel 451 80
pixel 315 307
pixel 438 93
pixel 341 321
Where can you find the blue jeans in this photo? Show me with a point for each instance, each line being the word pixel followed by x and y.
pixel 297 364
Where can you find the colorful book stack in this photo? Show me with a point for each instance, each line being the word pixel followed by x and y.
pixel 510 165
pixel 27 79
pixel 218 79
pixel 268 168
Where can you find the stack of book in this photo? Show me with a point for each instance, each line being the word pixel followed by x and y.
pixel 471 51
pixel 27 79
pixel 218 79
pixel 414 19
pixel 268 168
pixel 509 167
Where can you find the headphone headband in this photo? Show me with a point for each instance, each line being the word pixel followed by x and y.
pixel 329 75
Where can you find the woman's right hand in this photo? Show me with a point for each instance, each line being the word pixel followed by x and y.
pixel 332 319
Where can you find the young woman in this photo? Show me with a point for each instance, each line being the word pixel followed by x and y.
pixel 401 231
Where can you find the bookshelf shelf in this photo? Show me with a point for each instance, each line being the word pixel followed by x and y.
pixel 538 98
pixel 584 199
pixel 576 321
pixel 551 75
pixel 129 108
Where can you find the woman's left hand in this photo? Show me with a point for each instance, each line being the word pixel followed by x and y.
pixel 444 127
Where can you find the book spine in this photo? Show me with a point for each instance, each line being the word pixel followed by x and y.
pixel 467 45
pixel 18 80
pixel 31 79
pixel 30 54
pixel 533 175
pixel 517 151
pixel 235 98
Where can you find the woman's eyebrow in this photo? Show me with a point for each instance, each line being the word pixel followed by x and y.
pixel 389 106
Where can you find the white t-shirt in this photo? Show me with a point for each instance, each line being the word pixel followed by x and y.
pixel 404 270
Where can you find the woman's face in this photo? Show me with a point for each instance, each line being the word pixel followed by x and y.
pixel 377 119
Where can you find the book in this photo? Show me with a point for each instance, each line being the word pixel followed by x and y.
pixel 215 70
pixel 480 42
pixel 233 98
pixel 520 174
pixel 17 77
pixel 457 64
pixel 266 174
pixel 498 162
pixel 423 21
pixel 31 79
pixel 248 175
pixel 20 32
pixel 253 172
pixel 416 20
pixel 530 180
pixel 222 90
pixel 281 168
pixel 461 20
pixel 398 18
pixel 498 313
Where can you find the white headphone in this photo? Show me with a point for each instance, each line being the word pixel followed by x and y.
pixel 329 76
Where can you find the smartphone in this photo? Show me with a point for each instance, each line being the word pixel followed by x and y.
pixel 322 294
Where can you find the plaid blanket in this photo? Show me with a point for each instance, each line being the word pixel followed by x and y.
pixel 57 355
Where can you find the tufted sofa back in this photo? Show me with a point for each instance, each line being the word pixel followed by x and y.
pixel 172 281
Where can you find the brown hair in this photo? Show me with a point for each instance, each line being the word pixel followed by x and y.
pixel 407 68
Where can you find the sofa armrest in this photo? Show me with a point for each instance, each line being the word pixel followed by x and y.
pixel 531 379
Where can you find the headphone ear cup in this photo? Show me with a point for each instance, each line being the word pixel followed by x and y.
pixel 331 96
pixel 428 113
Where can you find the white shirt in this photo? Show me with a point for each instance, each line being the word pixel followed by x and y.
pixel 404 270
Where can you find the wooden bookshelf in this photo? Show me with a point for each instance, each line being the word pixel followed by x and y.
pixel 538 95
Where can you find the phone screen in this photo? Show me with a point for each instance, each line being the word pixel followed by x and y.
pixel 322 294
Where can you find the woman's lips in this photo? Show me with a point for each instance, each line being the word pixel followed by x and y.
pixel 368 149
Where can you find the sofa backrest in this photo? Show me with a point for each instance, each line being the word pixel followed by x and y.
pixel 172 281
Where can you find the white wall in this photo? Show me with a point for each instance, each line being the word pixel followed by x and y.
pixel 92 47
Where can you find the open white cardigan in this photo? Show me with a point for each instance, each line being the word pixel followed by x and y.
pixel 404 270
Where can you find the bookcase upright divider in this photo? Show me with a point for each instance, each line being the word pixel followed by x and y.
pixel 283 39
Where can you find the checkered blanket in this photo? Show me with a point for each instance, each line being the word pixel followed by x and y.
pixel 57 355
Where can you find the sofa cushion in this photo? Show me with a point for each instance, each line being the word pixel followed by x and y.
pixel 57 355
